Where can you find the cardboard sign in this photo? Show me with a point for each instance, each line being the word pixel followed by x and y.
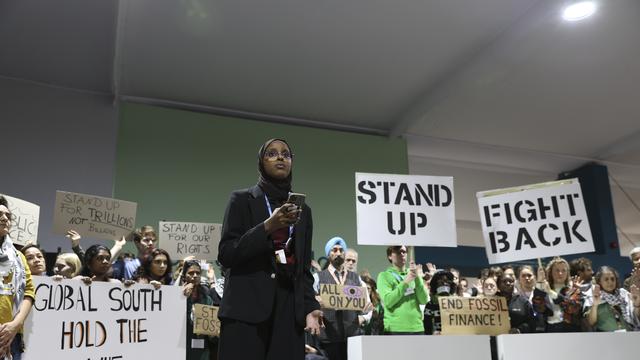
pixel 205 320
pixel 24 227
pixel 405 210
pixel 534 221
pixel 182 239
pixel 484 315
pixel 93 216
pixel 343 297
pixel 73 321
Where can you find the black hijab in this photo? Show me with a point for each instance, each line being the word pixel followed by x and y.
pixel 277 190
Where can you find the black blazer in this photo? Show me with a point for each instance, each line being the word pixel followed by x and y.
pixel 248 254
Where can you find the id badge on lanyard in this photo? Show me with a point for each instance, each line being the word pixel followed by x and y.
pixel 281 257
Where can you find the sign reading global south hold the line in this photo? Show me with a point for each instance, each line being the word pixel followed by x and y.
pixel 405 209
pixel 534 221
pixel 74 321
pixel 93 216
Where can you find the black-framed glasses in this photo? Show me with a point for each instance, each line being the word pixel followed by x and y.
pixel 274 154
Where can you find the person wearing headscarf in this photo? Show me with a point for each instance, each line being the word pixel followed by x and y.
pixel 198 346
pixel 608 308
pixel 265 246
pixel 16 291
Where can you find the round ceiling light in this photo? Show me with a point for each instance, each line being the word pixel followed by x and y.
pixel 579 11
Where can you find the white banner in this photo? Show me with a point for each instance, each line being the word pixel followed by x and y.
pixel 534 221
pixel 93 216
pixel 182 239
pixel 405 210
pixel 73 321
pixel 24 227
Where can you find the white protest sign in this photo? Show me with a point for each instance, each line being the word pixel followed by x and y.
pixel 405 210
pixel 73 321
pixel 534 221
pixel 182 239
pixel 93 216
pixel 24 226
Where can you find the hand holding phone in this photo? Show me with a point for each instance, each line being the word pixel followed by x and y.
pixel 297 200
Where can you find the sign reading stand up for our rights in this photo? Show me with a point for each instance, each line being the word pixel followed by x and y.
pixel 405 209
pixel 534 221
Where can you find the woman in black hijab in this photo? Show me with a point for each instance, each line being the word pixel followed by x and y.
pixel 268 299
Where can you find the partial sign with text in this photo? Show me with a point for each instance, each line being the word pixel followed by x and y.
pixel 26 217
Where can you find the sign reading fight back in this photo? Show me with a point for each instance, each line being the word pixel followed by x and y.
pixel 24 227
pixel 93 216
pixel 182 239
pixel 73 321
pixel 483 315
pixel 534 221
pixel 405 209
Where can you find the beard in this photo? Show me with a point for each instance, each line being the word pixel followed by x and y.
pixel 337 262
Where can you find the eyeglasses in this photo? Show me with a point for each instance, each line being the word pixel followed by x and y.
pixel 274 154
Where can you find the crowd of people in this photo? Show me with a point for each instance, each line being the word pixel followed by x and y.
pixel 268 288
pixel 559 297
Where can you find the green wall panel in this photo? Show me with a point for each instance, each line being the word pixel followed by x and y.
pixel 180 165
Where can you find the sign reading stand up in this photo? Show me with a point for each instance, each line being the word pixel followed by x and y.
pixel 405 209
pixel 534 221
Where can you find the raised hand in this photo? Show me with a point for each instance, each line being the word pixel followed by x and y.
pixel 431 269
pixel 411 274
pixel 75 237
pixel 596 294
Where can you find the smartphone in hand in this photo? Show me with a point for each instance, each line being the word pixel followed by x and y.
pixel 296 199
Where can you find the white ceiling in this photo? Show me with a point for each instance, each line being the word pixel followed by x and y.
pixel 500 86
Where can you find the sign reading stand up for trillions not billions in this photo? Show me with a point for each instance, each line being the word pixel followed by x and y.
pixel 405 210
pixel 534 221
pixel 93 216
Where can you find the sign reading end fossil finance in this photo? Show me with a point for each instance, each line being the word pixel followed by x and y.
pixel 205 320
pixel 182 239
pixel 343 297
pixel 73 321
pixel 483 315
pixel 93 216
pixel 24 226
pixel 405 210
pixel 534 221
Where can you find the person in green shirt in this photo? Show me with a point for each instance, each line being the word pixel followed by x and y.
pixel 402 292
